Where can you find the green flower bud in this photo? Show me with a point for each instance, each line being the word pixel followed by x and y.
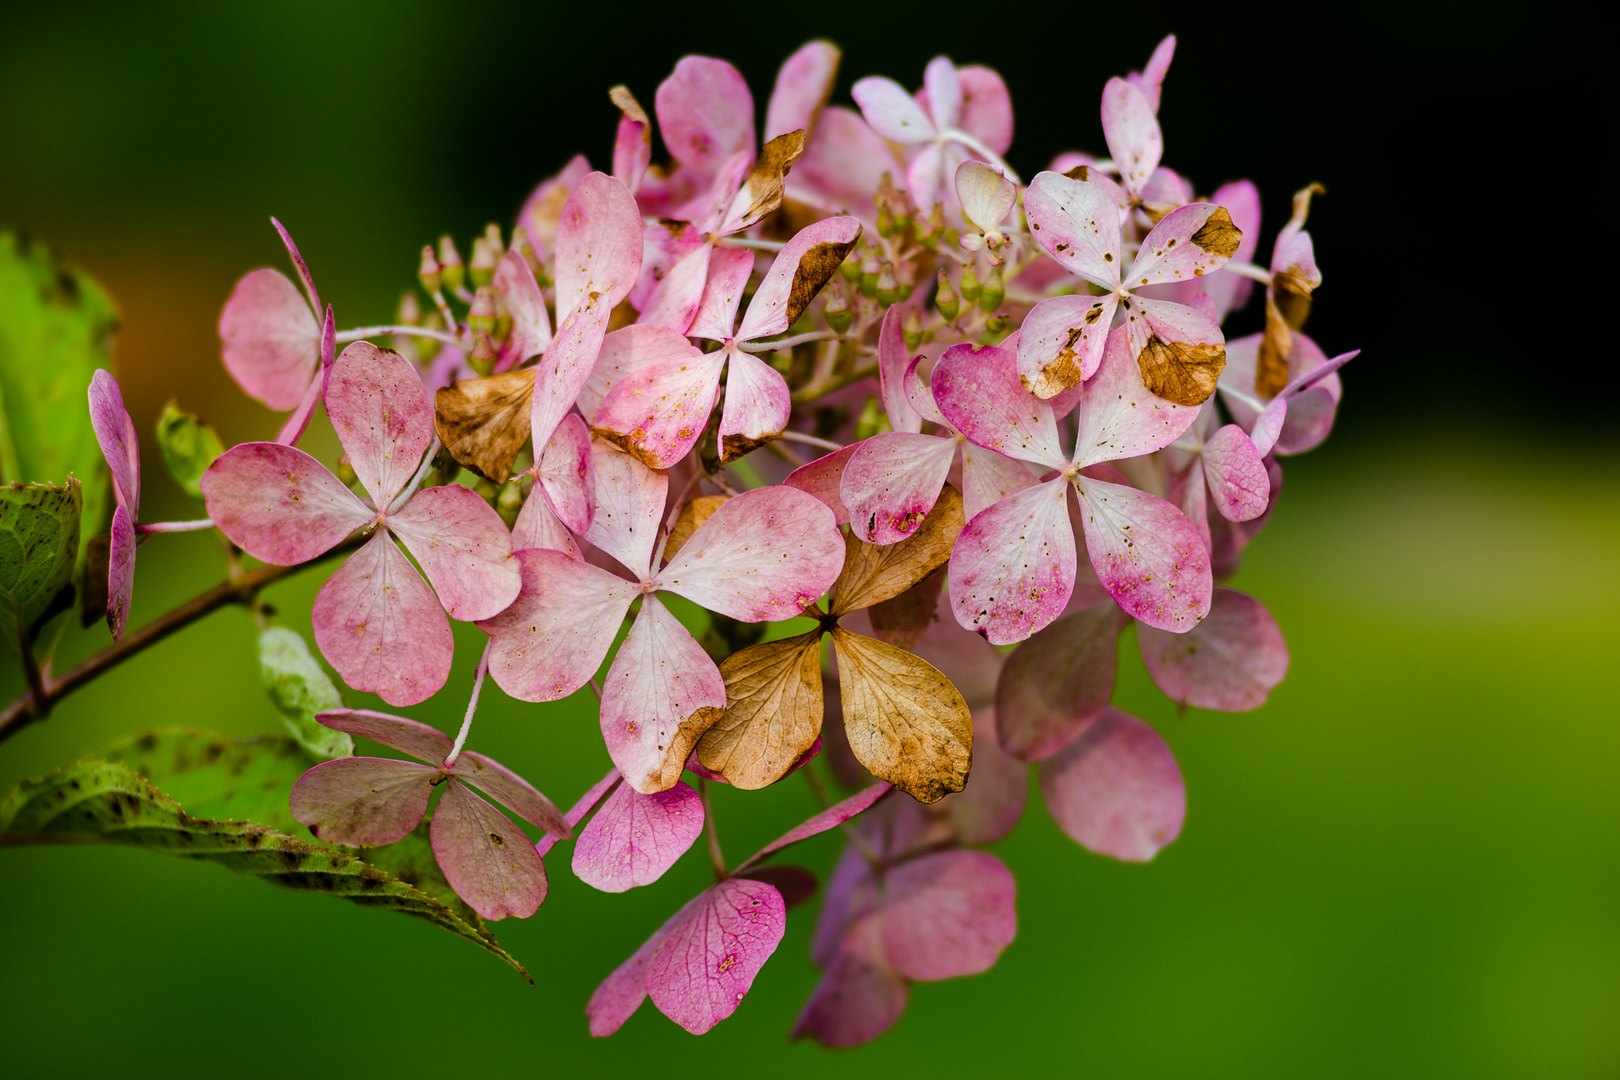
pixel 482 357
pixel 481 316
pixel 970 284
pixel 189 446
pixel 492 237
pixel 450 264
pixel 345 471
pixel 429 273
pixel 510 501
pixel 993 292
pixel 427 348
pixel 996 323
pixel 872 421
pixel 945 299
pixel 912 330
pixel 487 489
pixel 851 267
pixel 871 267
pixel 482 267
pixel 837 310
pixel 887 287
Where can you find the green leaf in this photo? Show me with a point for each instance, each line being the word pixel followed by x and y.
pixel 300 688
pixel 189 446
pixel 107 802
pixel 217 777
pixel 39 541
pixel 56 329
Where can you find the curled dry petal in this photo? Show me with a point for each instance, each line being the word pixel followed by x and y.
pixel 1231 661
pixel 411 737
pixel 979 392
pixel 278 504
pixel 773 711
pixel 463 547
pixel 363 801
pixel 632 144
pixel 486 858
pixel 485 422
pixel 1116 790
pixel 874 573
pixel 1146 554
pixel 761 193
pixel 1012 568
pixel 1057 682
pixel 709 958
pixel 635 838
pixel 948 914
pixel 270 341
pixel 376 402
pixel 891 483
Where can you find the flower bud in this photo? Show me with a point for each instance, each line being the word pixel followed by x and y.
pixel 906 276
pixel 851 267
pixel 945 299
pixel 521 245
pixel 871 267
pixel 837 310
pixel 482 267
pixel 886 225
pixel 427 348
pixel 451 268
pixel 872 421
pixel 487 489
pixel 429 273
pixel 996 323
pixel 912 330
pixel 970 284
pixel 481 316
pixel 410 309
pixel 482 357
pixel 345 471
pixel 993 292
pixel 888 287
pixel 510 500
pixel 492 237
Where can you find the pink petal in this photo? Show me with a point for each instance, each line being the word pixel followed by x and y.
pixel 1172 251
pixel 795 883
pixel 724 209
pixel 659 412
pixel 987 197
pixel 973 665
pixel 1077 223
pixel 520 294
pixel 986 107
pixel 488 860
pixel 1116 790
pixel 756 408
pixel 293 428
pixel 1294 255
pixel 674 303
pixel 979 392
pixel 511 791
pixel 1134 139
pixel 1309 412
pixel 987 478
pixel 543 207
pixel 943 92
pixel 583 806
pixel 705 113
pixel 624 352
pixel 659 684
pixel 376 402
pixel 629 507
pixel 1119 417
pixel 823 479
pixel 1238 485
pixel 120 571
pixel 278 504
pixel 553 638
pixel 537 526
pixel 830 818
pixel 462 547
pixel 561 373
pixel 859 997
pixel 1168 322
pixel 298 265
pixel 716 314
pixel 771 311
pixel 892 112
pixel 891 483
pixel 377 622
pixel 708 961
pixel 632 143
pixel 893 363
pixel 1146 554
pixel 925 176
pixel 270 341
pixel 763 556
pixel 802 85
pixel 635 838
pixel 408 736
pixel 566 475
pixel 1057 682
pixel 115 433
pixel 1012 568
pixel 948 914
pixel 842 165
pixel 989 807
pixel 363 801
pixel 598 244
pixel 1062 340
pixel 919 395
pixel 663 244
pixel 1231 661
pixel 622 992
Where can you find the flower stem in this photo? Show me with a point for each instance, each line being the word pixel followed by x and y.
pixel 175 526
pixel 788 343
pixel 750 242
pixel 716 859
pixel 810 440
pixel 360 333
pixel 472 706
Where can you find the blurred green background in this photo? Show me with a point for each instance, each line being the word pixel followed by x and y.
pixel 1407 864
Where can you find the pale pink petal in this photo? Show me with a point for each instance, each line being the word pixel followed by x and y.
pixel 756 408
pixel 376 402
pixel 400 733
pixel 893 113
pixel 1119 417
pixel 278 504
pixel 624 352
pixel 1061 342
pixel 635 838
pixel 565 473
pixel 823 479
pixel 1238 485
pixel 926 174
pixel 716 314
pixel 988 477
pixel 537 526
pixel 1146 554
pixel 463 548
pixel 919 395
pixel 1310 409
pixel 674 303
pixel 1294 255
pixel 979 392
pixel 1268 427
pixel 830 818
pixel 1150 78
pixel 771 312
pixel 1172 252
pixel 659 412
pixel 115 432
pixel 859 997
pixel 1012 568
pixel 942 92
pixel 511 791
pixel 891 483
pixel 948 914
pixel 986 107
pixel 1057 682
pixel 632 142
pixel 520 294
pixel 1077 223
pixel 724 208
pixel 663 244
pixel 563 370
pixel 705 113
pixel 363 801
pixel 842 165
pixel 270 341
pixel 120 571
pixel 762 556
pixel 1132 131
pixel 553 638
pixel 894 362
pixel 598 244
pixel 298 265
pixel 377 622
pixel 1165 190
pixel 1116 790
pixel 708 961
pixel 989 807
pixel 543 207
pixel 629 507
pixel 622 992
pixel 293 428
pixel 1226 290
pixel 488 860
pixel 1231 661
pixel 987 197
pixel 802 84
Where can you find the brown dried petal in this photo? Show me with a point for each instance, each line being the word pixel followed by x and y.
pixel 1180 371
pixel 1276 345
pixel 1218 235
pixel 874 573
pixel 901 621
pixel 773 711
pixel 763 188
pixel 485 422
pixel 692 515
pixel 816 268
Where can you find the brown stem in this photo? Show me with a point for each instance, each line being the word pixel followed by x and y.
pixel 37 700
pixel 716 859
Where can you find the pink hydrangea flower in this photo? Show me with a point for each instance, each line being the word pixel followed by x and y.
pixel 115 432
pixel 376 620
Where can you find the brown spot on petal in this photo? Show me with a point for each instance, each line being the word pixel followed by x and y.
pixel 736 446
pixel 630 444
pixel 817 267
pixel 1079 172
pixel 763 188
pixel 1276 346
pixel 1219 236
pixel 1180 371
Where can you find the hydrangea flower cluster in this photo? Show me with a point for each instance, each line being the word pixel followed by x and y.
pixel 914 442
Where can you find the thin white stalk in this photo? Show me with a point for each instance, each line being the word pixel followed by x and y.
pixel 960 136
pixel 472 706
pixel 1249 270
pixel 810 440
pixel 750 242
pixel 788 343
pixel 175 526
pixel 360 333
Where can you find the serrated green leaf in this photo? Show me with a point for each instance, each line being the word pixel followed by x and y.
pixel 300 688
pixel 39 542
pixel 108 802
pixel 219 778
pixel 189 446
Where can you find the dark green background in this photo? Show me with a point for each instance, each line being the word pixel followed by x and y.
pixel 1407 864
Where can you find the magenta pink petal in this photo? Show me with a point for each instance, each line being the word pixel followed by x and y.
pixel 629 507
pixel 762 556
pixel 660 411
pixel 987 478
pixel 769 312
pixel 674 303
pixel 632 143
pixel 279 504
pixel 1061 341
pixel 270 341
pixel 626 351
pixel 893 113
pixel 363 801
pixel 1077 223
pixel 293 428
pixel 920 396
pixel 120 571
pixel 377 622
pixel 705 113
pixel 1119 417
pixel 1012 568
pixel 408 736
pixel 830 818
pixel 891 483
pixel 859 997
pixel 802 85
pixel 488 860
pixel 1231 661
pixel 986 111
pixel 989 807
pixel 708 961
pixel 1149 80
pixel 520 295
pixel 1057 682
pixel 622 992
pixel 979 392
pixel 511 791
pixel 377 404
pixel 1116 790
pixel 948 914
pixel 635 838
pixel 464 549
pixel 894 362
pixel 716 313
pixel 583 806
pixel 659 684
pixel 1238 485
pixel 1146 554
pixel 298 265
pixel 598 245
pixel 566 473
pixel 823 479
pixel 115 432
pixel 1132 131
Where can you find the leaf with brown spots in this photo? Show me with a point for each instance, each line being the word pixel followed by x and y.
pixel 485 422
pixel 1276 346
pixel 905 721
pixel 692 515
pixel 1218 235
pixel 874 573
pixel 902 620
pixel 762 191
pixel 1180 371
pixel 773 711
